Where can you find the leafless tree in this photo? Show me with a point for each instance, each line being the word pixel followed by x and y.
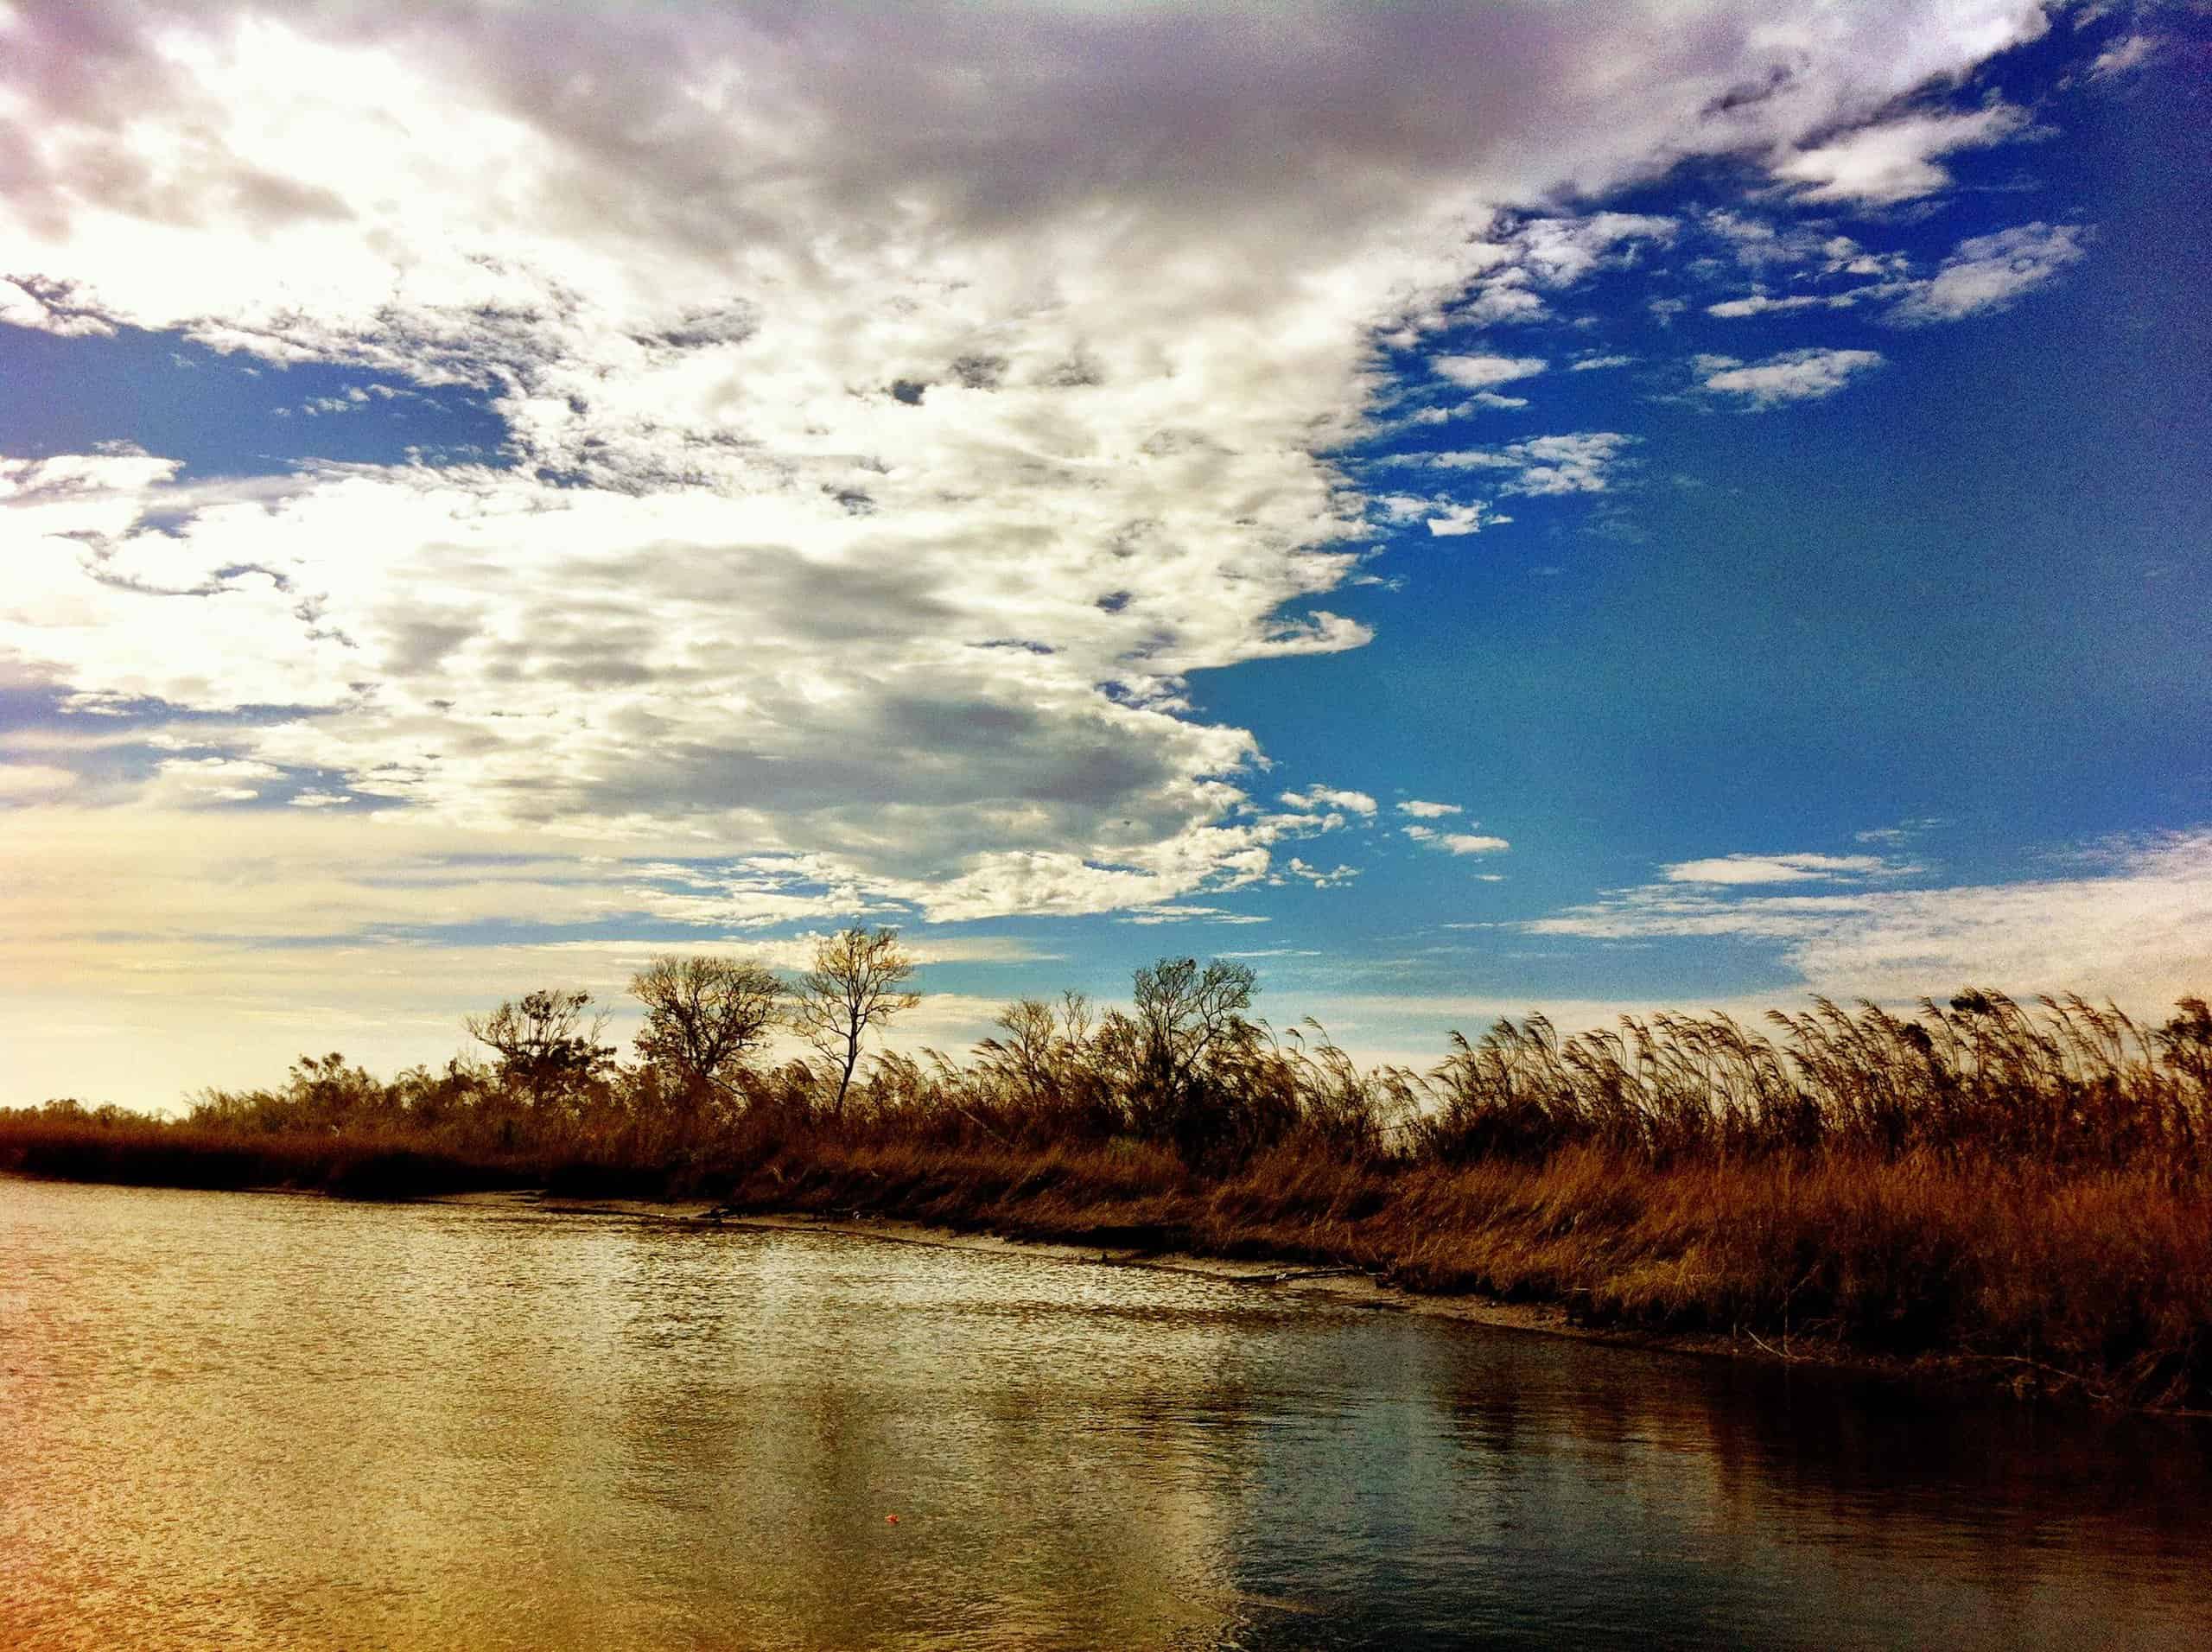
pixel 858 982
pixel 704 1015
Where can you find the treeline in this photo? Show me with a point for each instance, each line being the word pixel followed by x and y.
pixel 1997 1187
pixel 2061 1084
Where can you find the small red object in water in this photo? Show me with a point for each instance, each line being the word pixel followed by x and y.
pixel 891 1520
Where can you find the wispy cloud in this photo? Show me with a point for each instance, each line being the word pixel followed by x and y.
pixel 2126 920
pixel 2130 52
pixel 1478 372
pixel 1897 160
pixel 1766 304
pixel 1584 462
pixel 1992 272
pixel 1352 803
pixel 1781 868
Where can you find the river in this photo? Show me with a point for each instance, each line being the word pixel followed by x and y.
pixel 262 1421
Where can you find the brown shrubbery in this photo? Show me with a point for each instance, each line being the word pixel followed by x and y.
pixel 2023 1189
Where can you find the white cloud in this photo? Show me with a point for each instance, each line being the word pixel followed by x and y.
pixel 1455 843
pixel 1896 160
pixel 1779 868
pixel 882 464
pixel 1594 364
pixel 1503 300
pixel 1469 843
pixel 1179 914
pixel 1520 259
pixel 1584 462
pixel 33 782
pixel 212 780
pixel 46 307
pixel 1560 252
pixel 1473 372
pixel 1992 272
pixel 1793 376
pixel 2121 55
pixel 1754 242
pixel 1457 521
pixel 1422 809
pixel 1763 304
pixel 2129 925
pixel 1352 803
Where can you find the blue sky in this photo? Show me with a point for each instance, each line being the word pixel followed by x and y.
pixel 1472 508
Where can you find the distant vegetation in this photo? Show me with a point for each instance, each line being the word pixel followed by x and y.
pixel 2021 1189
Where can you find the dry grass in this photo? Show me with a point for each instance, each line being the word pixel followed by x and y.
pixel 2098 1285
pixel 2023 1192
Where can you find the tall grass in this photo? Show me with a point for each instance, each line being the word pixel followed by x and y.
pixel 2023 1189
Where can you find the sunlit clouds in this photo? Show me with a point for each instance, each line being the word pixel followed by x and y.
pixel 901 417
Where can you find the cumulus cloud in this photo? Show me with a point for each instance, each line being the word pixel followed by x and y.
pixel 882 454
pixel 1986 273
pixel 1992 272
pixel 1518 260
pixel 1584 462
pixel 1793 376
pixel 1457 521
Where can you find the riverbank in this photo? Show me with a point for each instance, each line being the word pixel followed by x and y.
pixel 2087 1286
pixel 2094 1285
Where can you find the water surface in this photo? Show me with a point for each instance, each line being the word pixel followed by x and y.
pixel 252 1420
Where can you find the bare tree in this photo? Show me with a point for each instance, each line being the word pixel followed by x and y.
pixel 704 1015
pixel 1030 1051
pixel 858 982
pixel 544 1041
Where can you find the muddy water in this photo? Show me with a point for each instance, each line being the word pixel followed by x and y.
pixel 260 1420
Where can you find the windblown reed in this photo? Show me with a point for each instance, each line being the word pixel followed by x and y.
pixel 2018 1189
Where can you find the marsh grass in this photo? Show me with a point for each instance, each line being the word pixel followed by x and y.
pixel 2021 1192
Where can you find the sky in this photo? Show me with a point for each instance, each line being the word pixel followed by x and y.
pixel 1471 509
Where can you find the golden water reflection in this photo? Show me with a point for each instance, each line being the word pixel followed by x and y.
pixel 268 1421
